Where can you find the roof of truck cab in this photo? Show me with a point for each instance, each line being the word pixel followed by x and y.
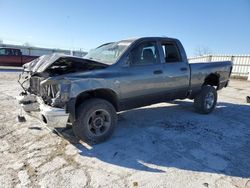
pixel 145 38
pixel 9 48
pixel 134 39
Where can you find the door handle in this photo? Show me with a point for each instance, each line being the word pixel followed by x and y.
pixel 183 69
pixel 158 72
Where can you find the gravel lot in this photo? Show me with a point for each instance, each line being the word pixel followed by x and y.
pixel 163 145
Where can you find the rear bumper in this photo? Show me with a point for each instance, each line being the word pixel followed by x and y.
pixel 51 116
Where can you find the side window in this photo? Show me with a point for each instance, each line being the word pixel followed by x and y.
pixel 144 54
pixel 16 52
pixel 9 52
pixel 2 51
pixel 171 53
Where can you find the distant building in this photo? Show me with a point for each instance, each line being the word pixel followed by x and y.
pixel 38 51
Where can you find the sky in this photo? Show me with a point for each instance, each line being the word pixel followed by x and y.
pixel 218 26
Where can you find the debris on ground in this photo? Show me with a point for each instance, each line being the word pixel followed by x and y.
pixel 163 145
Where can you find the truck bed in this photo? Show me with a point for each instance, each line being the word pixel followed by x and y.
pixel 200 71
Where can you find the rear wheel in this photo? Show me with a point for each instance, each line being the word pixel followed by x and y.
pixel 96 120
pixel 206 100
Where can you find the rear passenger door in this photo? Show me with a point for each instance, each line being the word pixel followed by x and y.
pixel 176 70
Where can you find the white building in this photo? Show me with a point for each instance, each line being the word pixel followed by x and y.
pixel 38 51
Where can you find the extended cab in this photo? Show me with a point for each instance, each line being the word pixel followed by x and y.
pixel 114 77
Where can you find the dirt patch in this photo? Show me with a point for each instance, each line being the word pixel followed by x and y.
pixel 163 145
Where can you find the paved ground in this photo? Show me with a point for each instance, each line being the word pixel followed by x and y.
pixel 164 145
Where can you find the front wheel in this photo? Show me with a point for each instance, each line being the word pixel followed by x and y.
pixel 96 120
pixel 206 100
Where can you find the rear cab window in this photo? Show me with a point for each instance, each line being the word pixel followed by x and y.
pixel 171 52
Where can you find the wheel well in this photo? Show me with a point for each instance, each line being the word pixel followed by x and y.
pixel 212 79
pixel 105 94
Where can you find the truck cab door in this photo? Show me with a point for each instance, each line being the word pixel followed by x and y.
pixel 142 82
pixel 176 70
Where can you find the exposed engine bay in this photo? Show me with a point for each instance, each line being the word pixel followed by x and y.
pixel 43 77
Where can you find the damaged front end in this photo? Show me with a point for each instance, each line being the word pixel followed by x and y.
pixel 45 89
pixel 46 99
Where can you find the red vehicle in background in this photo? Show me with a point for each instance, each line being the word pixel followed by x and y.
pixel 14 57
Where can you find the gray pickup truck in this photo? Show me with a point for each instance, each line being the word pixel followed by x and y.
pixel 88 92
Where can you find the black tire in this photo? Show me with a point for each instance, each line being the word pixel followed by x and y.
pixel 96 121
pixel 206 100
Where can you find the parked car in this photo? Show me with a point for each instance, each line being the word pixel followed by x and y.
pixel 14 57
pixel 118 76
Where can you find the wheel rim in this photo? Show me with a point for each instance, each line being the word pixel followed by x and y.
pixel 209 100
pixel 99 122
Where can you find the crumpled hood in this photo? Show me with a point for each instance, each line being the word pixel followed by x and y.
pixel 43 62
pixel 61 64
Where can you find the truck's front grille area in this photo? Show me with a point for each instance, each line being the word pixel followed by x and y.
pixel 48 91
pixel 35 85
pixel 51 90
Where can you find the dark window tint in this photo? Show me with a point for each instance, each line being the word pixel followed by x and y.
pixel 171 53
pixel 8 52
pixel 16 52
pixel 145 53
pixel 11 52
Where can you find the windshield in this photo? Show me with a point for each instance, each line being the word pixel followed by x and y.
pixel 108 53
